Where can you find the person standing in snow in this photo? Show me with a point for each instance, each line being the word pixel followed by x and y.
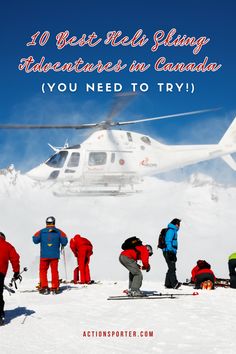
pixel 83 250
pixel 50 239
pixel 133 251
pixel 232 270
pixel 202 275
pixel 170 253
pixel 7 253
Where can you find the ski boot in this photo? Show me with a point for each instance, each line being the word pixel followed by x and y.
pixel 1 321
pixel 135 293
pixel 44 291
pixel 209 285
pixel 55 291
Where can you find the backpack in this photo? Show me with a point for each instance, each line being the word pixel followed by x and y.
pixel 162 238
pixel 131 243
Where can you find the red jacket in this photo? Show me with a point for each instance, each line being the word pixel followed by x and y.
pixel 196 271
pixel 140 253
pixel 8 253
pixel 79 243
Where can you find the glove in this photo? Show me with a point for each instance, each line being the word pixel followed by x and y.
pixel 147 269
pixel 172 256
pixel 17 276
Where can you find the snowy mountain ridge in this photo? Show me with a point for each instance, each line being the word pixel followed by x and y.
pixel 205 207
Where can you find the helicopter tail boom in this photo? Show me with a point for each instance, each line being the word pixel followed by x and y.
pixel 227 141
pixel 229 138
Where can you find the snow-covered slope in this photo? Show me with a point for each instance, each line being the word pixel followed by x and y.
pixel 206 210
pixel 83 321
pixel 49 324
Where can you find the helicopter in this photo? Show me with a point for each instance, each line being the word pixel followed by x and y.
pixel 112 160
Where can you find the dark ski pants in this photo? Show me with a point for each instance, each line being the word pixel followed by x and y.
pixel 203 277
pixel 2 277
pixel 135 274
pixel 232 267
pixel 171 279
pixel 232 272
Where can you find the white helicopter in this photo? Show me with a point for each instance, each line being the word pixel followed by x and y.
pixel 111 160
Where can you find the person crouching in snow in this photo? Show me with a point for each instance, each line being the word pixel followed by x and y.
pixel 50 239
pixel 82 249
pixel 134 250
pixel 202 276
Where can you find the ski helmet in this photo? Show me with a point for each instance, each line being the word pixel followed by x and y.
pixel 50 220
pixel 150 251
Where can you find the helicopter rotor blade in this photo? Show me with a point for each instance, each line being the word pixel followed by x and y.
pixel 47 126
pixel 120 101
pixel 165 117
pixel 101 125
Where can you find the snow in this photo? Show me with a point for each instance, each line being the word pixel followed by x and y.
pixel 191 324
pixel 79 321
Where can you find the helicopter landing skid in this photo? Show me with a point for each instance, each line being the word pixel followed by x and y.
pixel 93 193
pixel 76 192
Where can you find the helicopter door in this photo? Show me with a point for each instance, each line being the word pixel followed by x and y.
pixel 72 165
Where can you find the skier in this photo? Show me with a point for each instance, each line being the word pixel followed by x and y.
pixel 82 249
pixel 7 253
pixel 134 250
pixel 170 252
pixel 232 270
pixel 202 276
pixel 50 239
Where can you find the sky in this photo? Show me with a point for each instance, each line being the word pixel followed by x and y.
pixel 22 100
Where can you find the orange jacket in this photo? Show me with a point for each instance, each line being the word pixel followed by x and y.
pixel 8 253
pixel 139 253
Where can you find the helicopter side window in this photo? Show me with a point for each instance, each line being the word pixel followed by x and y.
pixel 57 160
pixel 74 160
pixel 97 158
pixel 146 140
pixel 129 136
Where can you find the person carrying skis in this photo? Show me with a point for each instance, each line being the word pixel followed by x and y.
pixel 83 250
pixel 170 252
pixel 50 239
pixel 133 251
pixel 7 253
pixel 202 276
pixel 232 270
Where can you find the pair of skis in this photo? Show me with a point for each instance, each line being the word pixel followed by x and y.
pixel 219 282
pixel 151 295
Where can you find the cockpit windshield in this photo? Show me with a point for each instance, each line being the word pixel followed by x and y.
pixel 57 160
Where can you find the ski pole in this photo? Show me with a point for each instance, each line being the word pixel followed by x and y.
pixel 13 280
pixel 64 261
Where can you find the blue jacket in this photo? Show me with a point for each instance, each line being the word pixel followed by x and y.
pixel 171 239
pixel 50 239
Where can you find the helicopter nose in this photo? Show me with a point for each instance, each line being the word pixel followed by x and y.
pixel 39 173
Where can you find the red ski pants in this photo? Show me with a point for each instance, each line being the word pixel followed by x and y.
pixel 45 263
pixel 83 263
